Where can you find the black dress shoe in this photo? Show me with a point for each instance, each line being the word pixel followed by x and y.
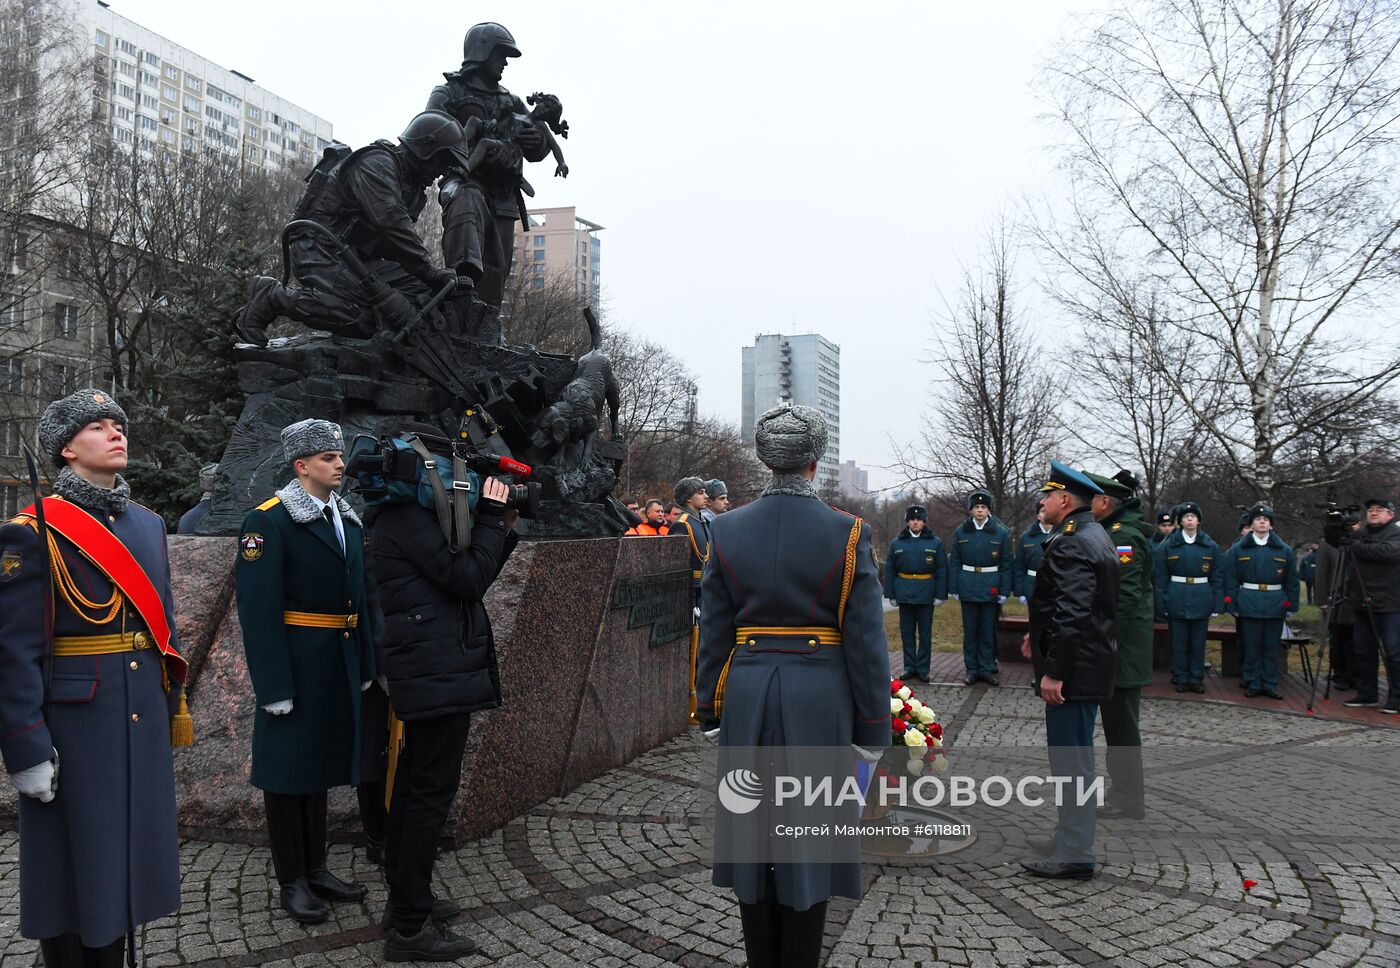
pixel 1244 685
pixel 970 678
pixel 1111 811
pixel 444 910
pixel 327 885
pixel 302 904
pixel 1272 694
pixel 1197 687
pixel 1179 686
pixel 433 942
pixel 990 678
pixel 1059 870
pixel 1254 691
pixel 908 675
pixel 374 851
pixel 1041 846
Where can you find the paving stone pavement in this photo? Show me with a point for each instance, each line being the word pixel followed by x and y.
pixel 616 874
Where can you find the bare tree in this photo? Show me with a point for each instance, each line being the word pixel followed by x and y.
pixel 1241 155
pixel 993 424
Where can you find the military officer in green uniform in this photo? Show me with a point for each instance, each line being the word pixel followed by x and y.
pixel 916 579
pixel 1029 552
pixel 1189 590
pixel 693 498
pixel 1261 591
pixel 300 581
pixel 1119 510
pixel 979 576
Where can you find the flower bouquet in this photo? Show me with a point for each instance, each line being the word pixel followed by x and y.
pixel 915 726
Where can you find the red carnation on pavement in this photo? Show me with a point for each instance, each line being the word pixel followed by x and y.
pixel 1249 883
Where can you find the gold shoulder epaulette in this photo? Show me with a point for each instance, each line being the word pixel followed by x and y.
pixel 1117 525
pixel 685 516
pixel 24 519
pixel 269 504
pixel 1070 526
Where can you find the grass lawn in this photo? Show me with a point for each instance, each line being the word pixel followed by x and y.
pixel 947 630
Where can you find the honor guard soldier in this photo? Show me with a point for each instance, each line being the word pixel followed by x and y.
pixel 1029 550
pixel 1119 511
pixel 979 576
pixel 1187 573
pixel 916 579
pixel 692 498
pixel 1166 524
pixel 88 716
pixel 300 578
pixel 1071 643
pixel 791 620
pixel 1261 591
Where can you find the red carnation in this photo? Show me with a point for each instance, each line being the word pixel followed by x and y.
pixel 994 589
pixel 896 685
pixel 1287 604
pixel 936 731
pixel 1227 599
pixel 900 725
pixel 907 710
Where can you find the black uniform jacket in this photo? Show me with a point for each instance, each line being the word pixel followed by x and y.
pixel 1073 610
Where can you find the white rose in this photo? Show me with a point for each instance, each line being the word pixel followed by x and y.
pixel 896 706
pixel 925 715
pixel 916 767
pixel 941 764
pixel 904 692
pixel 915 705
pixel 914 738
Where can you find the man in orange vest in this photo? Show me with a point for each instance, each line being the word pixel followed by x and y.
pixel 655 525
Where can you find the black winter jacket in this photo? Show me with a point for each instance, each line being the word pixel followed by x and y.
pixel 1073 608
pixel 438 652
pixel 1377 555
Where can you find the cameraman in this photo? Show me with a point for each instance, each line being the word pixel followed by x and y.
pixel 440 661
pixel 1375 596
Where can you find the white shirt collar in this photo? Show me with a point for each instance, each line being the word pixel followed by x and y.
pixel 1261 542
pixel 1044 528
pixel 979 525
pixel 1190 538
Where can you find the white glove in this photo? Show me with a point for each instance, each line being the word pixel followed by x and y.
pixel 940 601
pixel 1214 614
pixel 1001 599
pixel 39 781
pixel 366 684
pixel 279 708
pixel 1022 598
pixel 893 602
pixel 384 684
pixel 954 596
pixel 1287 616
pixel 870 756
pixel 711 734
pixel 697 613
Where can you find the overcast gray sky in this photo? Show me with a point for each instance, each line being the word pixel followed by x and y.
pixel 760 167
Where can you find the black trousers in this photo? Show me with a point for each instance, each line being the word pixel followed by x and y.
pixel 68 951
pixel 425 784
pixel 1340 652
pixel 776 936
pixel 296 830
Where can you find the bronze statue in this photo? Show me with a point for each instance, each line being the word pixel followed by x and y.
pixel 481 203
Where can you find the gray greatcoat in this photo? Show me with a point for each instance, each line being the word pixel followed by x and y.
pixel 103 856
pixel 778 562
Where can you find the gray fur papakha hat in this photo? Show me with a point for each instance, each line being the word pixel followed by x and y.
pixel 63 418
pixel 687 488
pixel 790 437
pixel 310 436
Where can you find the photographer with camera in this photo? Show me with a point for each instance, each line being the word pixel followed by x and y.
pixel 1374 594
pixel 440 662
pixel 1333 583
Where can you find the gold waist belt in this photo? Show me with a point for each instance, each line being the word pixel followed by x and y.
pixel 814 634
pixel 319 620
pixel 905 574
pixel 101 644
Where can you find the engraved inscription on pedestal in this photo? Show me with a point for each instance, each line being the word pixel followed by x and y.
pixel 661 601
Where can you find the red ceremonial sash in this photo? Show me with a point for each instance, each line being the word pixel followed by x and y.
pixel 105 550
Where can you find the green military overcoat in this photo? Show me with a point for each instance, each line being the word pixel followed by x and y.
pixel 290 560
pixel 1132 539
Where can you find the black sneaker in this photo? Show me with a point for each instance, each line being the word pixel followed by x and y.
pixel 1197 687
pixel 1390 710
pixel 433 942
pixel 1361 703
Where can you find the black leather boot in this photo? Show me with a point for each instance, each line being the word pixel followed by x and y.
pixel 323 883
pixel 286 835
pixel 64 951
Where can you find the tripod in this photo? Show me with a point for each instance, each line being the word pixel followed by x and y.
pixel 1347 571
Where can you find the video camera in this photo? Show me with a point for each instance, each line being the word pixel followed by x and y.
pixel 395 470
pixel 1337 521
